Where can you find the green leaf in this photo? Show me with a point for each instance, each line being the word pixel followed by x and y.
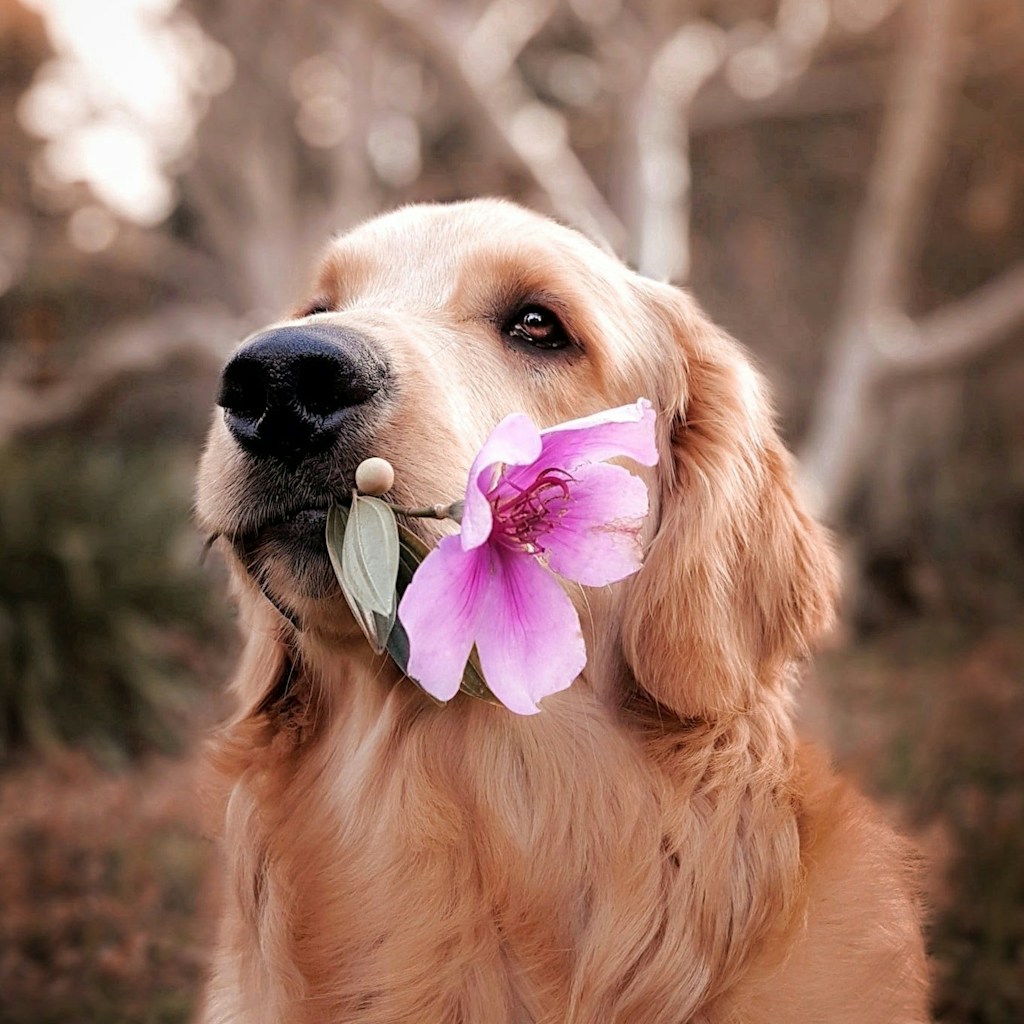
pixel 412 548
pixel 369 555
pixel 411 552
pixel 384 626
pixel 376 626
pixel 337 518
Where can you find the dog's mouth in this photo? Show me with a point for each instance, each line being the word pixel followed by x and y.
pixel 289 548
pixel 303 527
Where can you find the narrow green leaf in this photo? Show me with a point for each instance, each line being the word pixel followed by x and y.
pixel 337 518
pixel 411 552
pixel 369 557
pixel 375 627
pixel 413 549
pixel 398 646
pixel 384 625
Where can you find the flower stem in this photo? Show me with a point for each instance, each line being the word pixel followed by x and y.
pixel 439 511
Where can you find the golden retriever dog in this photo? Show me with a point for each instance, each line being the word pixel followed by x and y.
pixel 656 846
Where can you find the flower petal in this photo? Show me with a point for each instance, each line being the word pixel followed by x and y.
pixel 440 611
pixel 627 430
pixel 528 635
pixel 515 441
pixel 594 538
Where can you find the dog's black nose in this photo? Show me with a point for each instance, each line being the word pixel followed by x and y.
pixel 287 392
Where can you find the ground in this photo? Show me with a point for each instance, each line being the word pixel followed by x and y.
pixel 102 879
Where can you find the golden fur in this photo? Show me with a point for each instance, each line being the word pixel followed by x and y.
pixel 655 847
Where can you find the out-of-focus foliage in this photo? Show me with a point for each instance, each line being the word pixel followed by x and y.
pixel 932 715
pixel 102 885
pixel 101 601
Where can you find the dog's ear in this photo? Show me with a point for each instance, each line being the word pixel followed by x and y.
pixel 266 672
pixel 738 580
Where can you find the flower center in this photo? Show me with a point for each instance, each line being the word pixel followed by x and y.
pixel 522 517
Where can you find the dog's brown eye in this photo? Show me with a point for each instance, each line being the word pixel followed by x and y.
pixel 538 327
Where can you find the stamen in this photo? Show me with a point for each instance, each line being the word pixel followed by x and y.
pixel 524 517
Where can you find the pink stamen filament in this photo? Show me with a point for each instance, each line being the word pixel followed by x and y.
pixel 521 519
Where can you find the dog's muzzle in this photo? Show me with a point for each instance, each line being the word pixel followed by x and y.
pixel 288 392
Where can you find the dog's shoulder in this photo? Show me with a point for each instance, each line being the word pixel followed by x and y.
pixel 854 951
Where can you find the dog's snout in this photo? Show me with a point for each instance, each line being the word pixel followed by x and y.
pixel 287 392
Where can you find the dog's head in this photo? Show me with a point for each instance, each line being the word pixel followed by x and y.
pixel 427 326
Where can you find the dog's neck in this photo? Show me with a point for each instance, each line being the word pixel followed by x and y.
pixel 320 683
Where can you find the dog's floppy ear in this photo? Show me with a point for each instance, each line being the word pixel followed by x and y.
pixel 270 689
pixel 738 580
pixel 267 675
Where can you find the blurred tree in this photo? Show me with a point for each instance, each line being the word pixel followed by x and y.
pixel 101 605
pixel 103 613
pixel 875 340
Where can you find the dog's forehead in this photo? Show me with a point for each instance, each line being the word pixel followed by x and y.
pixel 426 248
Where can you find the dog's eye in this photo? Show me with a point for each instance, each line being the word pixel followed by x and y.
pixel 318 305
pixel 539 327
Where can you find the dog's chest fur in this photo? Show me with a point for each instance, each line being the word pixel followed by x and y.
pixel 459 864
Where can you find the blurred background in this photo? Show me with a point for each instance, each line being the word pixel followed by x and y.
pixel 839 182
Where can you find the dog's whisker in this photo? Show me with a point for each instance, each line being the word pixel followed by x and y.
pixel 207 546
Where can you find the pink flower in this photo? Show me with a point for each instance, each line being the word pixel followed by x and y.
pixel 535 501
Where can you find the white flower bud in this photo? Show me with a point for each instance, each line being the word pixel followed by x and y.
pixel 375 476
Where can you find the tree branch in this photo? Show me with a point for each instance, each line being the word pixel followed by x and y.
pixel 913 134
pixel 681 68
pixel 965 330
pixel 201 335
pixel 492 46
pixel 529 134
pixel 677 73
pixel 914 131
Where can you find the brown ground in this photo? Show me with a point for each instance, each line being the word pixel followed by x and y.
pixel 102 884
pixel 105 879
